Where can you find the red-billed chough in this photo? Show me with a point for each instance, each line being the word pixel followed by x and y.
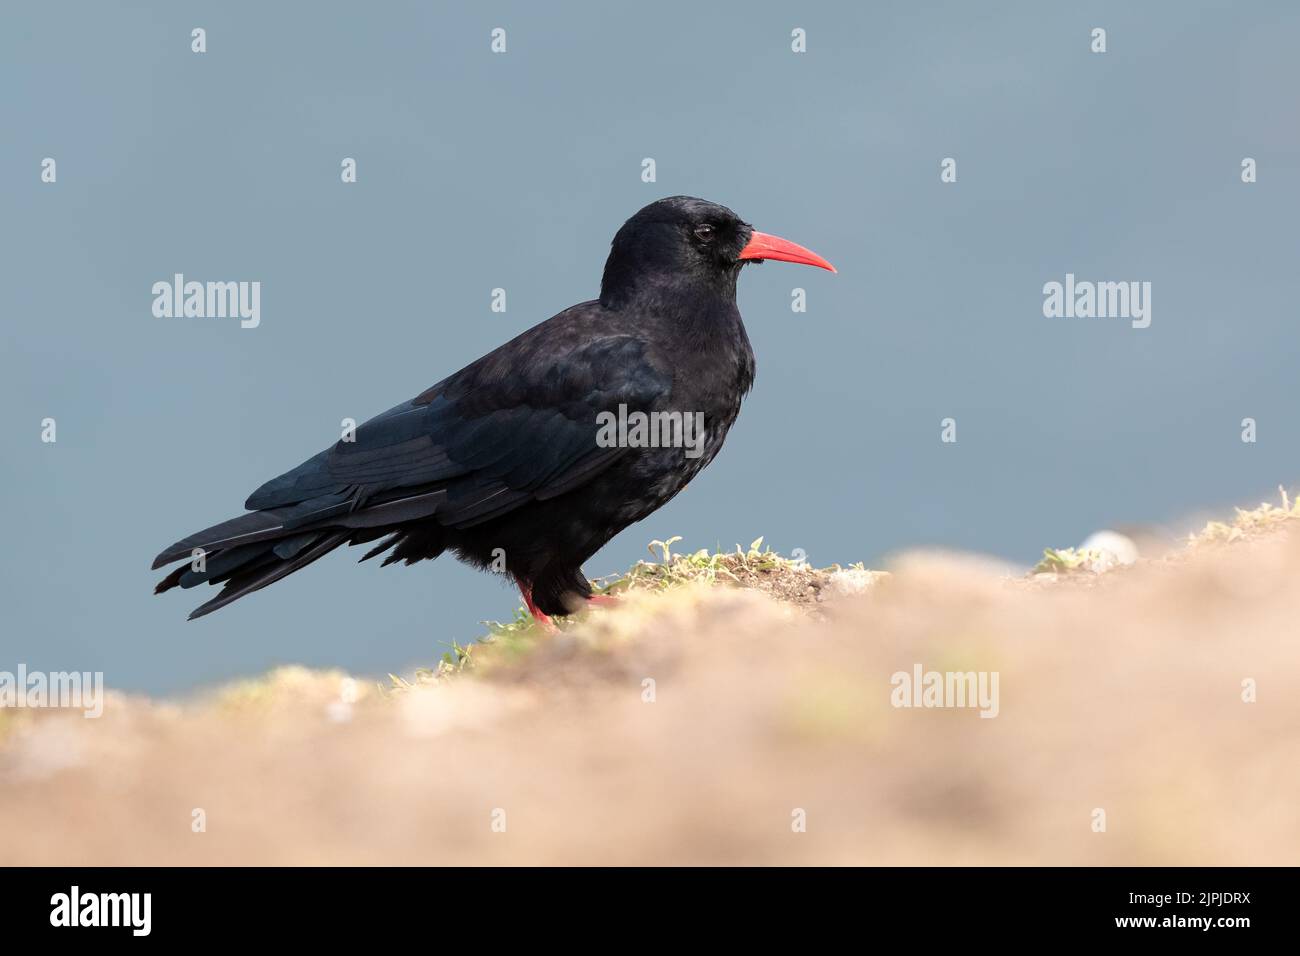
pixel 531 458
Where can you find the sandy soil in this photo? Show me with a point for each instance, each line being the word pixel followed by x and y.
pixel 1120 692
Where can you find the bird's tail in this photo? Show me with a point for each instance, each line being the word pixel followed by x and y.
pixel 259 548
pixel 253 550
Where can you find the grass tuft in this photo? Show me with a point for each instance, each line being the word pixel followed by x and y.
pixel 1074 561
pixel 1248 523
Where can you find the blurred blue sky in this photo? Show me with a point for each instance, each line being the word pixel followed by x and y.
pixel 479 170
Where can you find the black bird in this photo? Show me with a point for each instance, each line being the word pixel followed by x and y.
pixel 504 463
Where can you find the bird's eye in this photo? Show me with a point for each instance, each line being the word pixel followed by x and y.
pixel 704 232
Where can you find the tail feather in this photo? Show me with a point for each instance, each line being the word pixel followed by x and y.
pixel 256 549
pixel 381 547
pixel 169 582
pixel 265 559
pixel 259 577
pixel 257 526
pixel 245 529
pixel 220 563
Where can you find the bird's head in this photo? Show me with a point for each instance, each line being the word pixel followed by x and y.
pixel 689 243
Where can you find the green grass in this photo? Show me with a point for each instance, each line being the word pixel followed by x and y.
pixel 1071 560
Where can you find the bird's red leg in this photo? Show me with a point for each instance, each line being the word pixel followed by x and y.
pixel 603 600
pixel 543 619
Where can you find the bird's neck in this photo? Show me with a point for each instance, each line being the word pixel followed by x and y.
pixel 696 320
pixel 684 299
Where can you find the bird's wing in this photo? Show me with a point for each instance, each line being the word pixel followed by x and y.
pixel 518 424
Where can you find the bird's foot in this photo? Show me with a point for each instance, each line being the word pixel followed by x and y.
pixel 603 600
pixel 541 617
pixel 545 623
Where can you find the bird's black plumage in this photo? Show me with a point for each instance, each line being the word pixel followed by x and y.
pixel 500 461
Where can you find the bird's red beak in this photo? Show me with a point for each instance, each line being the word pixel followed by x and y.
pixel 763 246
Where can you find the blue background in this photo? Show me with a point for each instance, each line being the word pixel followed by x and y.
pixel 479 170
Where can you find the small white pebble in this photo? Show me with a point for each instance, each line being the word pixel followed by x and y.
pixel 349 691
pixel 1120 546
pixel 339 711
pixel 849 581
